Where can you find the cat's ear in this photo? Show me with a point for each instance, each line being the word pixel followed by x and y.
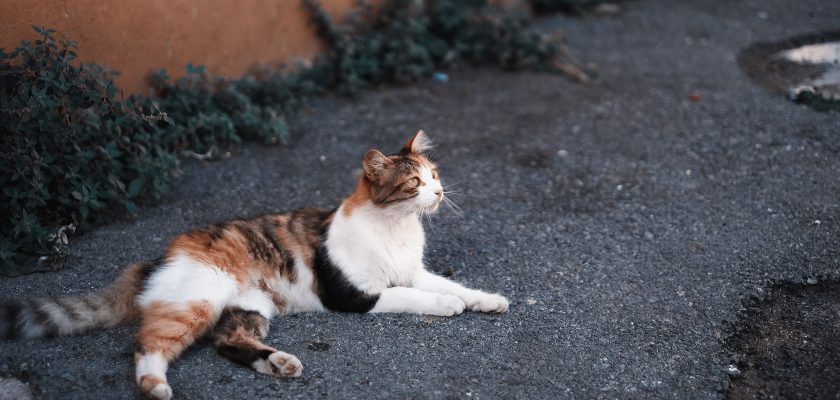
pixel 378 167
pixel 419 143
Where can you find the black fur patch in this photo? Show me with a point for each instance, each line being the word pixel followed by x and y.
pixel 147 268
pixel 42 318
pixel 335 291
pixel 242 355
pixel 235 322
pixel 269 227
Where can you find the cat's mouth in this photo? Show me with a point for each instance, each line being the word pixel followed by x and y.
pixel 430 207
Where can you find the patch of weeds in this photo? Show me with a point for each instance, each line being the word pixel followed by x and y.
pixel 214 114
pixel 70 150
pixel 403 42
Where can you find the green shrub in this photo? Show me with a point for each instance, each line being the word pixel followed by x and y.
pixel 404 43
pixel 213 114
pixel 70 150
pixel 567 6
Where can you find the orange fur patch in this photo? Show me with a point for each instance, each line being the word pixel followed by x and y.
pixel 229 252
pixel 250 250
pixel 242 338
pixel 123 293
pixel 149 381
pixel 358 198
pixel 169 327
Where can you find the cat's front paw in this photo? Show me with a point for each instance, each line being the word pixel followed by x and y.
pixel 489 303
pixel 447 306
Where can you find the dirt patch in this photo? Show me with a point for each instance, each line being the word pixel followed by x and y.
pixel 787 345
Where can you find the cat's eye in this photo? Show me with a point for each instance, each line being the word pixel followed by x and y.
pixel 434 174
pixel 414 182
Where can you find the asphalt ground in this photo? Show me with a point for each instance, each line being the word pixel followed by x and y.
pixel 628 220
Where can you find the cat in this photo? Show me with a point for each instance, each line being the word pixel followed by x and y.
pixel 231 278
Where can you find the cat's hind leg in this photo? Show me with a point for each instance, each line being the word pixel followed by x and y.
pixel 166 330
pixel 239 337
pixel 182 300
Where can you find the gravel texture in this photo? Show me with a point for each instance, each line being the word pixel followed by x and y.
pixel 787 345
pixel 14 389
pixel 626 220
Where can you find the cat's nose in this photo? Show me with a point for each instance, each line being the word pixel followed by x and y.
pixel 439 193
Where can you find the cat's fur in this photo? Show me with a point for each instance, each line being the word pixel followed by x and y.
pixel 232 278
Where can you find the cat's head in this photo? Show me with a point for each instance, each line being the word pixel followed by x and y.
pixel 404 182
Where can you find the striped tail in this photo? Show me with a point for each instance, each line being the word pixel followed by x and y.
pixel 70 315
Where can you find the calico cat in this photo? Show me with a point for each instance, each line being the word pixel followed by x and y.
pixel 232 278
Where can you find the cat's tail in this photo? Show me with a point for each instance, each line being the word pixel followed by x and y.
pixel 59 316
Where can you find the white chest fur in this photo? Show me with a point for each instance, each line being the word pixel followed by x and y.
pixel 375 251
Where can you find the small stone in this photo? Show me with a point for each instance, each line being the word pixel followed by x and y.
pixel 531 301
pixel 318 346
pixel 733 370
pixel 323 158
pixel 562 153
pixel 441 77
pixel 688 172
pixel 648 235
pixel 607 9
pixel 812 280
pixel 817 222
pixel 762 15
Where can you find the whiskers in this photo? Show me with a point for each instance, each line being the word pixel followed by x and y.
pixel 456 210
pixel 448 193
pixel 425 213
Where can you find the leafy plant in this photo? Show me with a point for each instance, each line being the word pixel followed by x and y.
pixel 69 150
pixel 402 42
pixel 215 113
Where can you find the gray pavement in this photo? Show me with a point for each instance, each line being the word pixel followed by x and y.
pixel 626 222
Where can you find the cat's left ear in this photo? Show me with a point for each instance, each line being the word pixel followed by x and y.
pixel 419 143
pixel 378 167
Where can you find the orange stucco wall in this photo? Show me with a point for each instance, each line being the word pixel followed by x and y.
pixel 136 37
